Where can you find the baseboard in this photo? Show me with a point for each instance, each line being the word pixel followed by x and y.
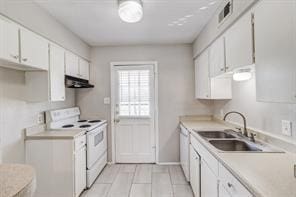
pixel 168 163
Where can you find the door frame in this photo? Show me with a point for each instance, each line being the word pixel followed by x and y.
pixel 113 87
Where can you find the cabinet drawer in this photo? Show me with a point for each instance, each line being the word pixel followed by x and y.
pixel 79 142
pixel 211 161
pixel 231 184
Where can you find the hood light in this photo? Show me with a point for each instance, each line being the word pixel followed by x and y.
pixel 243 74
pixel 130 11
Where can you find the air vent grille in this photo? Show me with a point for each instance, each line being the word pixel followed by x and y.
pixel 225 12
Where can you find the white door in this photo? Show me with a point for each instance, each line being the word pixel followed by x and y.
pixel 83 69
pixel 57 73
pixel 134 114
pixel 80 171
pixel 217 57
pixel 202 76
pixel 194 171
pixel 209 181
pixel 72 64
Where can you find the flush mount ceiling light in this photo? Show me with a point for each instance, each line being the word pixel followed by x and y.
pixel 242 74
pixel 130 11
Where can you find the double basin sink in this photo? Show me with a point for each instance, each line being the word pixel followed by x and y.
pixel 231 141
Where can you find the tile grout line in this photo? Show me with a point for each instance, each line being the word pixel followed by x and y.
pixel 113 181
pixel 130 189
pixel 171 181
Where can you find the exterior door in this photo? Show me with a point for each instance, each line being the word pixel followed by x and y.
pixel 134 114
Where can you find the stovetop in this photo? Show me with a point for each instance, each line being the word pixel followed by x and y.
pixel 81 124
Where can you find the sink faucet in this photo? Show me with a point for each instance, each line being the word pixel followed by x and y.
pixel 245 132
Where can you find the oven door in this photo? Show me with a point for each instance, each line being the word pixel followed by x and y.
pixel 96 144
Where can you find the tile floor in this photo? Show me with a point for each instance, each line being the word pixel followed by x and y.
pixel 140 180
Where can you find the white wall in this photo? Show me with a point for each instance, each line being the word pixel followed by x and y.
pixel 15 113
pixel 263 116
pixel 176 89
pixel 35 18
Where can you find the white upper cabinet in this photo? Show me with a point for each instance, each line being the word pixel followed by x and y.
pixel 239 43
pixel 202 76
pixel 34 50
pixel 275 47
pixel 207 87
pixel 83 69
pixel 57 73
pixel 72 64
pixel 9 41
pixel 217 57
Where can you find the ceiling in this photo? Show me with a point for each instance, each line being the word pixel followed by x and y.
pixel 164 22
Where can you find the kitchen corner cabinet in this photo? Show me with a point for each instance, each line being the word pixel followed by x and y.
pixel 34 50
pixel 275 38
pixel 239 49
pixel 48 86
pixel 76 67
pixel 207 87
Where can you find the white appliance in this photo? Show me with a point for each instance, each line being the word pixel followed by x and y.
pixel 184 151
pixel 96 137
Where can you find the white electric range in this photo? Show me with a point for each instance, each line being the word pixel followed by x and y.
pixel 96 137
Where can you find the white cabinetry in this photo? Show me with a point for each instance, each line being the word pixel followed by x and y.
pixel 202 80
pixel 9 41
pixel 57 73
pixel 210 88
pixel 194 171
pixel 209 181
pixel 217 57
pixel 48 86
pixel 60 166
pixel 76 67
pixel 239 43
pixel 34 50
pixel 275 46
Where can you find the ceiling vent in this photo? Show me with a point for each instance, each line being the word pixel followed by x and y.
pixel 225 12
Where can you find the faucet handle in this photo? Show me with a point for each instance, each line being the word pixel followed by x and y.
pixel 252 137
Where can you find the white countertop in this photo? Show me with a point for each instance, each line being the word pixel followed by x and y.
pixel 17 180
pixel 263 174
pixel 51 134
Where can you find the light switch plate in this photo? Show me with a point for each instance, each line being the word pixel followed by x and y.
pixel 107 101
pixel 40 118
pixel 287 127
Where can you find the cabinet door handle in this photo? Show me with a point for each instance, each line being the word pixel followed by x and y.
pixel 222 69
pixel 25 59
pixel 229 185
pixel 14 56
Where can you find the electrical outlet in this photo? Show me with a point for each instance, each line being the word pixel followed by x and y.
pixel 40 118
pixel 287 127
pixel 107 100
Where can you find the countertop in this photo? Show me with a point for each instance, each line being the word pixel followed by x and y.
pixel 55 134
pixel 263 174
pixel 17 180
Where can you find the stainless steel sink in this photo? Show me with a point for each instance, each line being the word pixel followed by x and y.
pixel 234 145
pixel 215 134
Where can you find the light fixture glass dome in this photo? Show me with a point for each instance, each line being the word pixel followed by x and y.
pixel 130 11
pixel 242 74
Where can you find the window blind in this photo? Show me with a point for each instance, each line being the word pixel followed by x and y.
pixel 134 92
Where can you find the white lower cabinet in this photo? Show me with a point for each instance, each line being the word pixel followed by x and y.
pixel 209 181
pixel 194 171
pixel 209 178
pixel 80 167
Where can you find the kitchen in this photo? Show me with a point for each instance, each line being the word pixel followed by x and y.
pixel 188 63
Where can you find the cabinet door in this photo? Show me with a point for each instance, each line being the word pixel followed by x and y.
pixel 217 57
pixel 194 172
pixel 57 73
pixel 34 50
pixel 83 69
pixel 202 76
pixel 80 171
pixel 239 43
pixel 9 41
pixel 209 181
pixel 275 46
pixel 72 64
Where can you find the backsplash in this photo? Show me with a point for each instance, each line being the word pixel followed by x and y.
pixel 260 116
pixel 17 114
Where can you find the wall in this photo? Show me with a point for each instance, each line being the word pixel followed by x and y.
pixel 176 89
pixel 15 113
pixel 261 116
pixel 35 18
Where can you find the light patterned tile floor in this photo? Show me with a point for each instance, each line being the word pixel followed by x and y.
pixel 140 180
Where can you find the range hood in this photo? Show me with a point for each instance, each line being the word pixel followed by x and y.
pixel 73 82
